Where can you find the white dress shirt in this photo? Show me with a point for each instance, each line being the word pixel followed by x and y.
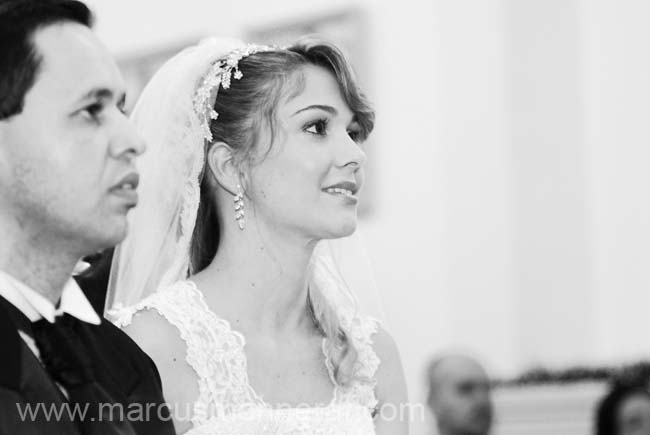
pixel 36 306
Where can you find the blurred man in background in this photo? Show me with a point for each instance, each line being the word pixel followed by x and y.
pixel 459 396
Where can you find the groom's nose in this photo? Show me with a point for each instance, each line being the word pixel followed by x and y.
pixel 125 140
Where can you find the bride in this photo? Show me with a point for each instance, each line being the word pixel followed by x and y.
pixel 253 163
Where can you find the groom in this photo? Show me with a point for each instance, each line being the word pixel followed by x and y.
pixel 67 181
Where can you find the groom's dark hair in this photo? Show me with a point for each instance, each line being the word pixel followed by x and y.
pixel 20 60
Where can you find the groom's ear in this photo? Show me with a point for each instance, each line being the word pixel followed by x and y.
pixel 221 164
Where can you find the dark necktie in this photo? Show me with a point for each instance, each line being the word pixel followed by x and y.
pixel 67 361
pixel 61 352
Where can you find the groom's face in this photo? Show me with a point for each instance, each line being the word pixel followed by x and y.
pixel 67 160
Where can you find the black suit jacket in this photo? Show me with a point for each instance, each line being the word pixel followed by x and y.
pixel 125 372
pixel 94 281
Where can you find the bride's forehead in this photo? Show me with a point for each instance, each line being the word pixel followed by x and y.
pixel 317 82
pixel 317 87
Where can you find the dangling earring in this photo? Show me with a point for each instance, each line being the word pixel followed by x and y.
pixel 239 208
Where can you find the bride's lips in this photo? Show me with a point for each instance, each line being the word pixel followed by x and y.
pixel 346 190
pixel 127 187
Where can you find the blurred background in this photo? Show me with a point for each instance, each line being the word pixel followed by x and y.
pixel 507 210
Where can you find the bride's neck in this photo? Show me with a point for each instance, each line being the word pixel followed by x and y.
pixel 262 275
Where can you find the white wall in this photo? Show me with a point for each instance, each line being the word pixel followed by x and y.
pixel 553 269
pixel 617 71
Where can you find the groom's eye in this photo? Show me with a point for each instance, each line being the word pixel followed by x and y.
pixel 92 111
pixel 121 105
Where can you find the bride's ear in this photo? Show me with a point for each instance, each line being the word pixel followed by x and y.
pixel 221 163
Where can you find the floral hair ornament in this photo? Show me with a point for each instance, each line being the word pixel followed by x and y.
pixel 220 74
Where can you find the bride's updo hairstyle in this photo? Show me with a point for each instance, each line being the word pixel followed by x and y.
pixel 247 110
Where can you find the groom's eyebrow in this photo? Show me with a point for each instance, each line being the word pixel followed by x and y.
pixel 103 94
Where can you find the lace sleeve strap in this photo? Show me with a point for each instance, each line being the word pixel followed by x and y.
pixel 176 304
pixel 362 330
pixel 122 316
pixel 181 306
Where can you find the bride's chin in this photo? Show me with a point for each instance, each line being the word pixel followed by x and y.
pixel 344 229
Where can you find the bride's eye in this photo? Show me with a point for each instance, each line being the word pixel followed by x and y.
pixel 355 135
pixel 318 127
pixel 355 132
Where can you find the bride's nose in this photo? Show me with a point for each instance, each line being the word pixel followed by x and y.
pixel 349 154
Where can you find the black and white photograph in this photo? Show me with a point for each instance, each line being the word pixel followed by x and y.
pixel 310 217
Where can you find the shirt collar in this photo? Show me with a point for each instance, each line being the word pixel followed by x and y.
pixel 35 306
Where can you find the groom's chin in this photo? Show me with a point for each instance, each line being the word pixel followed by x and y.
pixel 109 234
pixel 119 234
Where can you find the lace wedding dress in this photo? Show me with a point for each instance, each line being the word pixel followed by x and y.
pixel 227 404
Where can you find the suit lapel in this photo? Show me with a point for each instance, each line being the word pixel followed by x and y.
pixel 112 369
pixel 10 368
pixel 23 381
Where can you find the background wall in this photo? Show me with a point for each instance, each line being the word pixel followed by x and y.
pixel 511 216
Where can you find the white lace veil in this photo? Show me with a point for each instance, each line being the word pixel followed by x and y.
pixel 156 252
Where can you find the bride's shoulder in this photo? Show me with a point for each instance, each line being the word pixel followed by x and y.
pixel 177 312
pixel 362 328
pixel 389 374
pixel 154 316
pixel 368 329
pixel 160 322
pixel 374 342
pixel 154 328
pixel 158 304
pixel 378 359
pixel 385 347
pixel 153 331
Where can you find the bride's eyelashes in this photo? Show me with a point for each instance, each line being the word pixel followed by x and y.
pixel 318 127
pixel 355 134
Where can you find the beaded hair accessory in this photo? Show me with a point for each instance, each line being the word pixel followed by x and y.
pixel 220 74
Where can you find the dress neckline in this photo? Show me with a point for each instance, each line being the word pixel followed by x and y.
pixel 257 398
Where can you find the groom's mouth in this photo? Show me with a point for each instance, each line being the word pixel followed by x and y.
pixel 126 188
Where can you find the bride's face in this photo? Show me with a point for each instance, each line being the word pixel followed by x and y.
pixel 310 181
